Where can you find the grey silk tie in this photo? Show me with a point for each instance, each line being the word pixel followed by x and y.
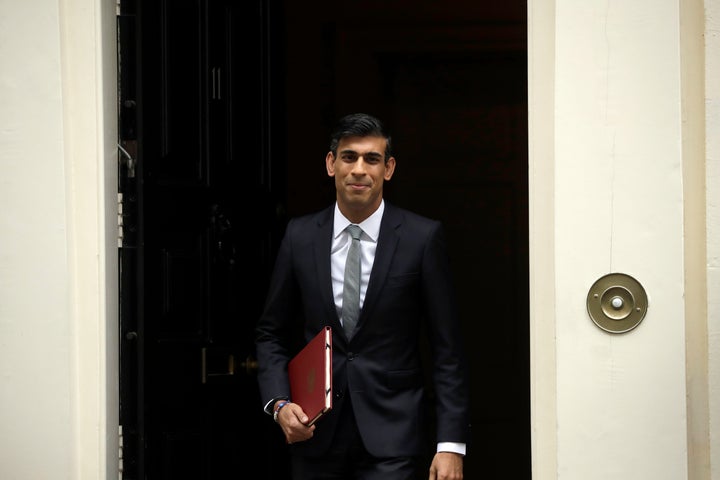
pixel 351 285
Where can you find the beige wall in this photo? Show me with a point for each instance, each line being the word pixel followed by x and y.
pixel 58 255
pixel 617 184
pixel 712 234
pixel 36 365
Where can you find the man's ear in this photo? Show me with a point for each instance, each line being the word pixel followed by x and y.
pixel 389 168
pixel 330 164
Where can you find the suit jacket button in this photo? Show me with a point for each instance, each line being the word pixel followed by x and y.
pixel 350 356
pixel 339 394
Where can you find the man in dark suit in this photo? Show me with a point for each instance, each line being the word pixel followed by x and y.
pixel 381 415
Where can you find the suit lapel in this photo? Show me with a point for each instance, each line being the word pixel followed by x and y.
pixel 387 243
pixel 321 252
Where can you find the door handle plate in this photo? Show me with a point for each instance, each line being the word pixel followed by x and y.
pixel 221 362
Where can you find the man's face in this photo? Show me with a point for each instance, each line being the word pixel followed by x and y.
pixel 360 169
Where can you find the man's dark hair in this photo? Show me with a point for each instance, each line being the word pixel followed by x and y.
pixel 359 125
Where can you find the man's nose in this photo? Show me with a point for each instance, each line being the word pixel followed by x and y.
pixel 359 165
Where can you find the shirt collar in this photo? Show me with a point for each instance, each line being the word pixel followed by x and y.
pixel 370 226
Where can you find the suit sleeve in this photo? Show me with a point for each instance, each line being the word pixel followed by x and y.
pixel 450 378
pixel 273 332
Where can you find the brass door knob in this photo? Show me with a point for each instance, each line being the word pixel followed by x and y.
pixel 250 365
pixel 219 363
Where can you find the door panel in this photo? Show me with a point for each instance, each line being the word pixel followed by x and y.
pixel 200 175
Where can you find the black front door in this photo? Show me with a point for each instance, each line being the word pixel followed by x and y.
pixel 201 207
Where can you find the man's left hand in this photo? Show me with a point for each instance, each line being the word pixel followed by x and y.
pixel 446 466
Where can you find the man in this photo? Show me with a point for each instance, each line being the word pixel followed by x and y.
pixel 377 428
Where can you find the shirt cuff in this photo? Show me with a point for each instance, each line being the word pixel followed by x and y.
pixel 451 447
pixel 269 405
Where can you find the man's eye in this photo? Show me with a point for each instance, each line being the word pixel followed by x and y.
pixel 348 158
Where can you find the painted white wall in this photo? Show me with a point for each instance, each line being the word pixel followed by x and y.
pixel 712 172
pixel 58 255
pixel 614 162
pixel 692 80
pixel 619 208
pixel 36 358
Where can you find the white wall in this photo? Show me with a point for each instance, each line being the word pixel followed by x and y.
pixel 58 267
pixel 712 171
pixel 619 208
pixel 616 159
pixel 36 360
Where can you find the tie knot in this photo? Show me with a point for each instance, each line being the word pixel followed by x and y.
pixel 354 231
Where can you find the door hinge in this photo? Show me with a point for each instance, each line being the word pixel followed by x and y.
pixel 126 157
pixel 120 220
pixel 120 452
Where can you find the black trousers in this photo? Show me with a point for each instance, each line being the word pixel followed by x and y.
pixel 348 459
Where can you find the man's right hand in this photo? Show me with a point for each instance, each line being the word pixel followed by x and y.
pixel 293 421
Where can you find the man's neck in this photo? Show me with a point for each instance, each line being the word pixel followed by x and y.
pixel 358 216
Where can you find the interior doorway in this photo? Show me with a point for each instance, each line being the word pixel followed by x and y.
pixel 226 110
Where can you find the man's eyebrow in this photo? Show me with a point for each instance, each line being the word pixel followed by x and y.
pixel 354 152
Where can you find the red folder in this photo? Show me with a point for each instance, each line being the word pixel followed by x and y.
pixel 310 373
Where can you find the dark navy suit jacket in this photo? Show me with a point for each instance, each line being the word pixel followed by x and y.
pixel 381 368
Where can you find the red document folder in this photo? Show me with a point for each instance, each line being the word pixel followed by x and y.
pixel 310 373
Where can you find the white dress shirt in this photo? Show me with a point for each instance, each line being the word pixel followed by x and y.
pixel 339 250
